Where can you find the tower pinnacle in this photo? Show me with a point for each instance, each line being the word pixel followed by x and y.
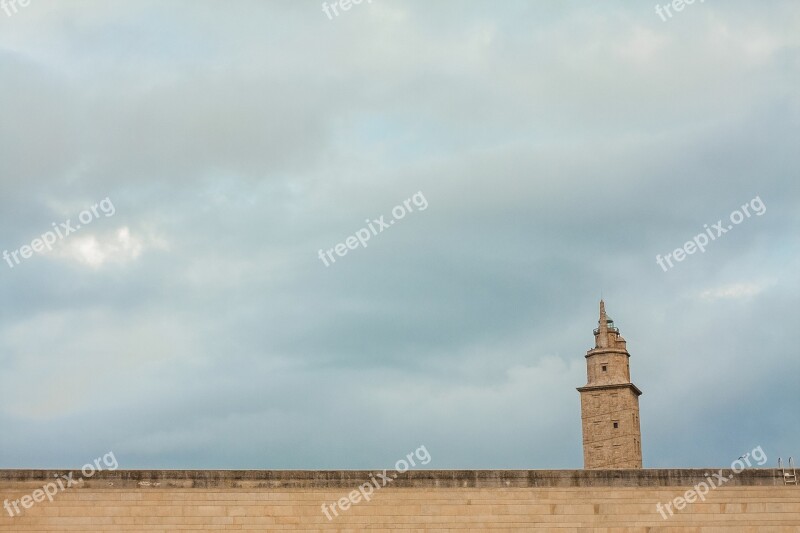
pixel 601 340
pixel 607 335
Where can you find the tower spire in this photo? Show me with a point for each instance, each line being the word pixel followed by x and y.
pixel 602 327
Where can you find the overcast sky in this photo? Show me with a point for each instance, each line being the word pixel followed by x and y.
pixel 559 147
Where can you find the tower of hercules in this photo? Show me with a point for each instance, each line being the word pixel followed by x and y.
pixel 610 403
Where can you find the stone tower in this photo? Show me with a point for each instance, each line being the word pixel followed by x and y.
pixel 610 403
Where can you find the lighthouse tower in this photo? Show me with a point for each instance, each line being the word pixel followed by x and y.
pixel 610 402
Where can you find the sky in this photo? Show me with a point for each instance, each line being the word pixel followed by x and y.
pixel 210 313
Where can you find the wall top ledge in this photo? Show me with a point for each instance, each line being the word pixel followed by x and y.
pixel 327 479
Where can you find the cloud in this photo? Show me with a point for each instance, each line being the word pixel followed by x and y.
pixel 561 148
pixel 120 247
pixel 735 291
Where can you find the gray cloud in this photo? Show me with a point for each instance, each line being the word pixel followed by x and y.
pixel 560 147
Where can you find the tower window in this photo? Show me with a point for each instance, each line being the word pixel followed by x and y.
pixel 616 425
pixel 605 368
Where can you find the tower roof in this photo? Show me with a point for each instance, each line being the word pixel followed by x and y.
pixel 605 326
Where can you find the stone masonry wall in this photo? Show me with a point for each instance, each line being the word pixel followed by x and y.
pixel 502 501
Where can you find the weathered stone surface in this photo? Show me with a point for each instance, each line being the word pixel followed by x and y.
pixel 755 500
pixel 325 479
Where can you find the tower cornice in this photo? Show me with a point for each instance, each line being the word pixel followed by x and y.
pixel 609 386
pixel 599 351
